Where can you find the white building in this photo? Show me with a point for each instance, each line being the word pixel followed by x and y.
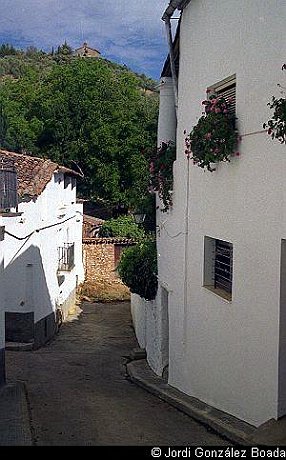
pixel 43 249
pixel 2 311
pixel 227 345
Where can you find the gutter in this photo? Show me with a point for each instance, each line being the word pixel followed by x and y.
pixel 173 5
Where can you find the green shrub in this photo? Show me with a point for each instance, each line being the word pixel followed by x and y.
pixel 138 269
pixel 123 226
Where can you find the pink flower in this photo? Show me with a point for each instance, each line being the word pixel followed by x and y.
pixel 208 136
pixel 225 111
pixel 217 110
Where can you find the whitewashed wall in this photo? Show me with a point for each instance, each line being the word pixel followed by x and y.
pixel 151 318
pixel 227 353
pixel 34 260
pixel 2 311
pixel 146 317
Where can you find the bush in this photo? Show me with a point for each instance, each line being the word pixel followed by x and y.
pixel 123 226
pixel 138 269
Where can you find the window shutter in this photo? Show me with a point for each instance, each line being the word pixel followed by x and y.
pixel 8 187
pixel 229 93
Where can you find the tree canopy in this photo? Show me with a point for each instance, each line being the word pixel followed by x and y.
pixel 85 113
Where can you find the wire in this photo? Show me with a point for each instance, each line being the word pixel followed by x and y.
pixel 169 235
pixel 253 133
pixel 38 229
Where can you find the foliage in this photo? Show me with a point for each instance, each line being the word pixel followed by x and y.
pixel 80 112
pixel 7 50
pixel 138 269
pixel 276 126
pixel 123 226
pixel 214 138
pixel 64 49
pixel 161 171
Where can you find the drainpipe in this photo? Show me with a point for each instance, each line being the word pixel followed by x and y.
pixel 180 5
pixel 172 60
pixel 173 5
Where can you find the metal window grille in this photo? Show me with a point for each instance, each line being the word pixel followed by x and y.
pixel 223 265
pixel 66 257
pixel 8 186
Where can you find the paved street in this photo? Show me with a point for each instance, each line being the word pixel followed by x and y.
pixel 79 394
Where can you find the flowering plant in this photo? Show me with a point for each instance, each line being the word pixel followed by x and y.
pixel 276 126
pixel 214 138
pixel 161 172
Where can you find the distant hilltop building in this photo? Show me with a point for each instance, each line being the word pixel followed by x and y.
pixel 86 51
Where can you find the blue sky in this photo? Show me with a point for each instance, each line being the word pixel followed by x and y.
pixel 126 31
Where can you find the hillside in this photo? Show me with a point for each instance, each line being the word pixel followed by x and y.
pixel 16 63
pixel 85 113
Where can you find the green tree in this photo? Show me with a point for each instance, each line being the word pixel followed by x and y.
pixel 86 112
pixel 122 226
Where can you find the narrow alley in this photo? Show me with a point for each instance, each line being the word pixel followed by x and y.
pixel 79 394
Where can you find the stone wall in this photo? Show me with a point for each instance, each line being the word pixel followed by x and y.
pixel 101 256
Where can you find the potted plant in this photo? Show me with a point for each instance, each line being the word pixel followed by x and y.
pixel 214 138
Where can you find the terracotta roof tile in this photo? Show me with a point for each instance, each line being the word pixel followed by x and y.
pixel 33 173
pixel 120 241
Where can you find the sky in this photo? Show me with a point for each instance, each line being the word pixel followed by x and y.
pixel 129 32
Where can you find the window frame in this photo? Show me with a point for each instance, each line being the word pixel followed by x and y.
pixel 220 88
pixel 211 261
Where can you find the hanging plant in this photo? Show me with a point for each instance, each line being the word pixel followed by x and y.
pixel 276 126
pixel 214 138
pixel 161 172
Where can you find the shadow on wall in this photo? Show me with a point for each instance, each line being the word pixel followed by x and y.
pixel 26 292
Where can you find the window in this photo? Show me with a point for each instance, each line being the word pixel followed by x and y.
pixel 66 257
pixel 227 89
pixel 67 181
pixel 73 182
pixel 218 267
pixel 8 188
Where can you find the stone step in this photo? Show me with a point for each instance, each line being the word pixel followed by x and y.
pixel 19 346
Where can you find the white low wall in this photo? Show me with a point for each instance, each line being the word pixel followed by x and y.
pixel 146 321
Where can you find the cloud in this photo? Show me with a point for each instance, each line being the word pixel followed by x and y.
pixel 130 32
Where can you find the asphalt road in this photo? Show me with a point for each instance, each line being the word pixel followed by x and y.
pixel 79 394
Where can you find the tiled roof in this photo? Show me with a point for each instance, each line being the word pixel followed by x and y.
pixel 33 173
pixel 91 226
pixel 120 241
pixel 91 220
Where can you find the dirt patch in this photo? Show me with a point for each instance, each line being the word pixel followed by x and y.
pixel 105 291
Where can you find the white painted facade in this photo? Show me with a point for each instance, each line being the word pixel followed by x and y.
pixel 2 311
pixel 46 224
pixel 229 354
